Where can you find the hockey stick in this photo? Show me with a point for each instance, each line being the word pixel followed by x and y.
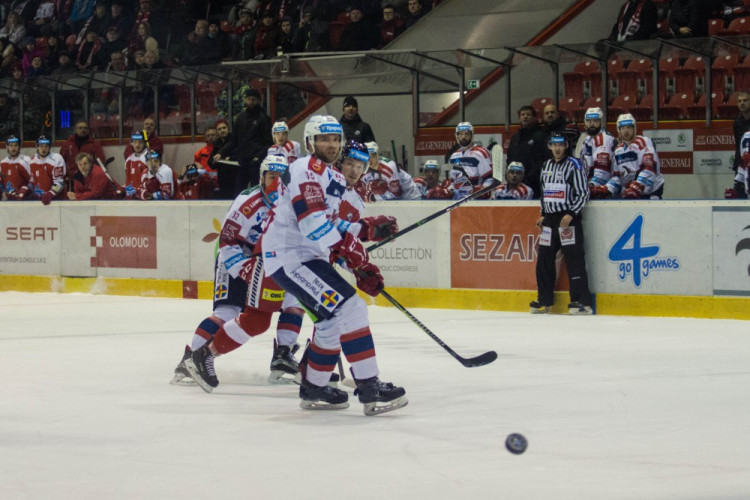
pixel 349 382
pixel 118 189
pixel 481 360
pixel 498 162
pixel 475 194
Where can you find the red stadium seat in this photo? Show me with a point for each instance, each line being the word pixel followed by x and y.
pixel 677 108
pixel 742 75
pixel 715 26
pixel 570 107
pixel 739 26
pixel 689 76
pixel 539 103
pixel 635 76
pixel 100 126
pixel 592 102
pixel 621 104
pixel 644 111
pixel 698 110
pixel 728 110
pixel 578 82
pixel 722 72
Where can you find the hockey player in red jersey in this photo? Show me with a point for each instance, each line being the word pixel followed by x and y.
pixel 471 164
pixel 513 188
pixel 244 299
pixel 304 235
pixel 15 171
pixel 136 165
pixel 195 184
pixel 47 173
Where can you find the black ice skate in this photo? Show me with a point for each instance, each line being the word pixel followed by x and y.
pixel 284 366
pixel 576 308
pixel 314 397
pixel 380 397
pixel 201 367
pixel 536 307
pixel 181 375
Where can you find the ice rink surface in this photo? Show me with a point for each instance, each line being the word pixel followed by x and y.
pixel 612 407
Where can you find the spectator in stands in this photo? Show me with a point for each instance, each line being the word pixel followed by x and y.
pixel 53 51
pixel 244 36
pixel 636 21
pixel 313 34
pixel 65 64
pixel 286 35
pixel 741 125
pixel 24 8
pixel 688 18
pixel 38 67
pixel 217 40
pixel 91 182
pixel 415 12
pixel 390 27
pixel 117 63
pixel 249 142
pixel 204 154
pixel 8 116
pixel 113 43
pixel 99 21
pixel 266 37
pixel 153 143
pixel 137 60
pixel 86 57
pixel 354 128
pixel 360 34
pixel 119 18
pixel 195 49
pixel 80 142
pixel 529 147
pixel 553 122
pixel 142 39
pixel 151 61
pixel 44 18
pixel 14 31
pixel 226 173
pixel 80 13
pixel 148 13
pixel 29 51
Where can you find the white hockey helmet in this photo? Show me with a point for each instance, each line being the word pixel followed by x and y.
pixel 318 125
pixel 430 164
pixel 273 163
pixel 593 114
pixel 465 126
pixel 516 166
pixel 626 120
pixel 372 148
pixel 280 127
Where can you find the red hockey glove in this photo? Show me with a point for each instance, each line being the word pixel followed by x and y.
pixel 378 186
pixel 47 197
pixel 377 228
pixel 730 194
pixel 394 187
pixel 439 193
pixel 598 192
pixel 247 270
pixel 369 279
pixel 350 250
pixel 634 191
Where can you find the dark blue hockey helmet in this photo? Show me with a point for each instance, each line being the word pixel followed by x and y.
pixel 356 151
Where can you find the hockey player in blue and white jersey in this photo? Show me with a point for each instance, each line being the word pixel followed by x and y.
pixel 406 188
pixel 637 172
pixel 380 182
pixel 243 299
pixel 281 143
pixel 306 234
pixel 742 178
pixel 513 188
pixel 598 155
pixel 471 164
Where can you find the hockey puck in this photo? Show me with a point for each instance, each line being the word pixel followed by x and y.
pixel 516 443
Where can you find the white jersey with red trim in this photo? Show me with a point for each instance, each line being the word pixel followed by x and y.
pixel 386 172
pixel 471 169
pixel 409 188
pixel 305 223
pixel 743 170
pixel 16 173
pixel 519 192
pixel 636 162
pixel 135 169
pixel 168 188
pixel 46 172
pixel 598 157
pixel 289 150
pixel 242 228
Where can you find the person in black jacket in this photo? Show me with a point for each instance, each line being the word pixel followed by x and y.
pixel 636 20
pixel 354 128
pixel 226 173
pixel 529 146
pixel 688 18
pixel 249 141
pixel 553 122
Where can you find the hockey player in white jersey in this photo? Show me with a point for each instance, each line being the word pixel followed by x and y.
pixel 380 181
pixel 430 181
pixel 637 173
pixel 471 164
pixel 513 188
pixel 304 235
pixel 406 189
pixel 47 173
pixel 282 145
pixel 160 182
pixel 244 299
pixel 598 155
pixel 741 179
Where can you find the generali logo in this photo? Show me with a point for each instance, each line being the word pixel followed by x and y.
pixel 124 242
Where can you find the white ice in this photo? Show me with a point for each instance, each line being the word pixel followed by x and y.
pixel 612 407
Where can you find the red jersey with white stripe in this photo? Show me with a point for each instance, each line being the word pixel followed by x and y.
pixel 135 169
pixel 47 171
pixel 201 189
pixel 289 150
pixel 637 162
pixel 16 173
pixel 471 170
pixel 506 192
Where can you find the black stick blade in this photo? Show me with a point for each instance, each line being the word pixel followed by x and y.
pixel 481 360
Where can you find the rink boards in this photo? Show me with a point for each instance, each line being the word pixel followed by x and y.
pixel 688 258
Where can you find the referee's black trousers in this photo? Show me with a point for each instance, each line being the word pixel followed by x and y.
pixel 575 263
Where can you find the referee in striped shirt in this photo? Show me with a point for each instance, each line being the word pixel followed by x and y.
pixel 564 192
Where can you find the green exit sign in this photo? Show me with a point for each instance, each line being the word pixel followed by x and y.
pixel 472 84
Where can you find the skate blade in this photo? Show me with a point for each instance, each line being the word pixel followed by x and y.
pixel 372 409
pixel 322 405
pixel 282 377
pixel 541 310
pixel 196 377
pixel 182 379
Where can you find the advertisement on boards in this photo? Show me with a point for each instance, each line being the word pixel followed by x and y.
pixel 731 250
pixel 30 238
